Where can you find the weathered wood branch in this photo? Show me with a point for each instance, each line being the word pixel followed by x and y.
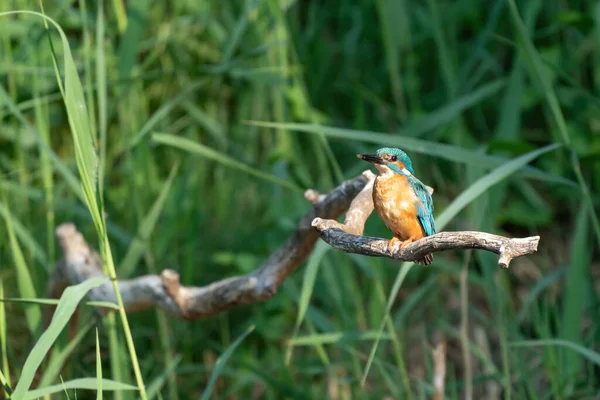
pixel 506 248
pixel 81 262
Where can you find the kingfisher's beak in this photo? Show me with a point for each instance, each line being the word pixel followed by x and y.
pixel 372 158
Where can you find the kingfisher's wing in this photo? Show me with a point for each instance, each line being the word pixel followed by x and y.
pixel 425 206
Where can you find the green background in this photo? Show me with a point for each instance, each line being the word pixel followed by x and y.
pixel 178 95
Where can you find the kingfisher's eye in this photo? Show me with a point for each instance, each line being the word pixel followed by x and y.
pixel 393 158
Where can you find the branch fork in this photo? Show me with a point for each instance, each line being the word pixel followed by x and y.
pixel 81 262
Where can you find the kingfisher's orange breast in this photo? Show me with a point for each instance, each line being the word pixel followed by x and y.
pixel 395 201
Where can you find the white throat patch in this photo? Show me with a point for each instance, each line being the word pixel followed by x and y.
pixel 386 171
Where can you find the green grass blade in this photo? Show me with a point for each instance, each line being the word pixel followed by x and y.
pixel 5 366
pixel 98 369
pixel 391 25
pixel 85 154
pixel 211 126
pixel 155 386
pixel 450 112
pixel 404 270
pixel 105 304
pixel 279 56
pixel 540 286
pixel 66 307
pixel 52 370
pixel 118 364
pixel 42 119
pixel 465 198
pixel 536 70
pixel 431 149
pixel 487 181
pixel 25 237
pixel 308 284
pixel 310 275
pixel 87 72
pixel 6 390
pixel 81 383
pixel 434 120
pixel 60 167
pixel 139 243
pixel 87 165
pixel 220 364
pixel 79 122
pixel 443 57
pixel 238 32
pixel 23 300
pixel 199 149
pixel 166 109
pixel 39 301
pixel 578 275
pixel 336 338
pixel 590 355
pixel 102 96
pixel 24 280
pixel 537 73
pixel 64 388
pixel 128 49
pixel 121 14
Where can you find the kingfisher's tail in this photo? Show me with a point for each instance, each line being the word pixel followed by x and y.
pixel 428 259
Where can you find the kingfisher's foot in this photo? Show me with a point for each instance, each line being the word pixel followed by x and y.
pixel 406 242
pixel 425 261
pixel 397 245
pixel 394 245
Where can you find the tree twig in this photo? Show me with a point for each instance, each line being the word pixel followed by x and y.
pixel 506 248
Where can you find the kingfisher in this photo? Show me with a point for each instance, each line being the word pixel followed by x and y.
pixel 401 200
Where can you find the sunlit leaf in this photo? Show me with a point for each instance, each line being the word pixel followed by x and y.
pixel 64 310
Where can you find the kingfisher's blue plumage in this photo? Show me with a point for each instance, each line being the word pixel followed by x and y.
pixel 402 201
pixel 425 209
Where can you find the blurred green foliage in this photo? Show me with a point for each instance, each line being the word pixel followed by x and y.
pixel 209 120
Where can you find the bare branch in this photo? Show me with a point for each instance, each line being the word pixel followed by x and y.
pixel 82 262
pixel 371 246
pixel 360 209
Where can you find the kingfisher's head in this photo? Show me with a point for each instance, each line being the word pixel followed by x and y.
pixel 390 159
